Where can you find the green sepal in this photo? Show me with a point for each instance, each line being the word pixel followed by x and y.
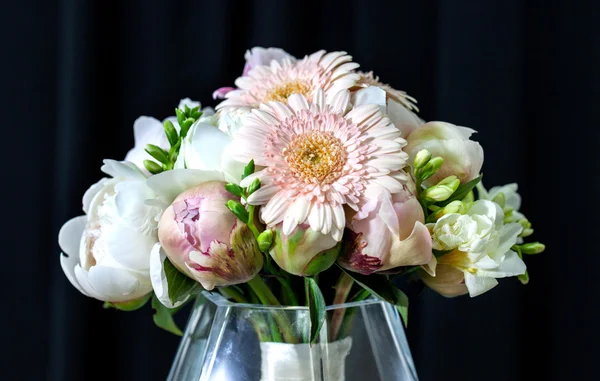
pixel 316 307
pixel 163 318
pixel 180 285
pixel 153 167
pixel 157 153
pixel 240 212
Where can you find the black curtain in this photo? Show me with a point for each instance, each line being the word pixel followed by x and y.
pixel 76 74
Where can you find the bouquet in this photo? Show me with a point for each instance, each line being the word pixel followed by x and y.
pixel 311 183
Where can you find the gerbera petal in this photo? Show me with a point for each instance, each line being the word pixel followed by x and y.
pixel 340 101
pixel 297 102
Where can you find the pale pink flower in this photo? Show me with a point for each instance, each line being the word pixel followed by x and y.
pixel 331 72
pixel 319 157
pixel 389 233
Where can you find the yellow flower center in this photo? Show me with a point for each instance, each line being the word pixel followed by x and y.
pixel 316 157
pixel 282 92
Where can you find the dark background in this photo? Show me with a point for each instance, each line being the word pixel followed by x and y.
pixel 76 74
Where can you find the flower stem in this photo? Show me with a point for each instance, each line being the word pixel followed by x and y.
pixel 342 290
pixel 268 298
pixel 233 293
pixel 348 317
pixel 251 224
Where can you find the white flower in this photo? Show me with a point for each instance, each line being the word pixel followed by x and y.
pixel 512 199
pixel 207 148
pixel 106 252
pixel 463 157
pixel 148 130
pixel 480 245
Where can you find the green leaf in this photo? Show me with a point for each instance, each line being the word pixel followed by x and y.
pixel 249 169
pixel 316 307
pixel 382 288
pixel 171 132
pixel 234 189
pixel 152 167
pixel 180 285
pixel 158 153
pixel 462 191
pixel 401 304
pixel 163 318
pixel 239 211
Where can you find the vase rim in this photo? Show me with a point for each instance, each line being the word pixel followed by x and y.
pixel 220 301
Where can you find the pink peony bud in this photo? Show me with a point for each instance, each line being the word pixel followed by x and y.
pixel 205 241
pixel 304 252
pixel 386 234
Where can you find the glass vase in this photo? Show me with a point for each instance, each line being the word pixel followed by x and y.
pixel 226 341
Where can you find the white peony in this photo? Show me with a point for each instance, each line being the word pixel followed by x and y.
pixel 480 245
pixel 106 252
pixel 207 148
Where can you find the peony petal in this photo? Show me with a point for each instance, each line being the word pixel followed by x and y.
pixel 168 185
pixel 159 278
pixel 413 251
pixel 69 236
pixel 478 285
pixel 128 247
pixel 91 193
pixel 404 120
pixel 122 169
pixel 207 146
pixel 117 285
pixel 370 95
pixel 68 264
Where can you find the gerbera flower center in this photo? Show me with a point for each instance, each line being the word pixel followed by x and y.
pixel 281 92
pixel 316 157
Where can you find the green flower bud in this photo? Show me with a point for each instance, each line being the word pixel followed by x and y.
pixel 431 168
pixel 157 153
pixel 524 278
pixel 422 158
pixel 533 248
pixel 130 305
pixel 171 132
pixel 180 116
pixel 234 189
pixel 249 169
pixel 153 167
pixel 265 240
pixel 443 190
pixel 239 211
pixel 500 199
pixel 304 252
pixel 253 187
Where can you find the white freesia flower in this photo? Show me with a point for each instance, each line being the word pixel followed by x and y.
pixel 106 252
pixel 480 245
pixel 512 199
pixel 148 130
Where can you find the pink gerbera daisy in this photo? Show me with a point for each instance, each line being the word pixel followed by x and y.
pixel 319 156
pixel 331 72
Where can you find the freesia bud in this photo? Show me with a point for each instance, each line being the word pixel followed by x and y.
pixel 304 252
pixel 431 168
pixel 422 158
pixel 205 241
pixel 265 240
pixel 533 248
pixel 453 207
pixel 462 156
pixel 443 190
